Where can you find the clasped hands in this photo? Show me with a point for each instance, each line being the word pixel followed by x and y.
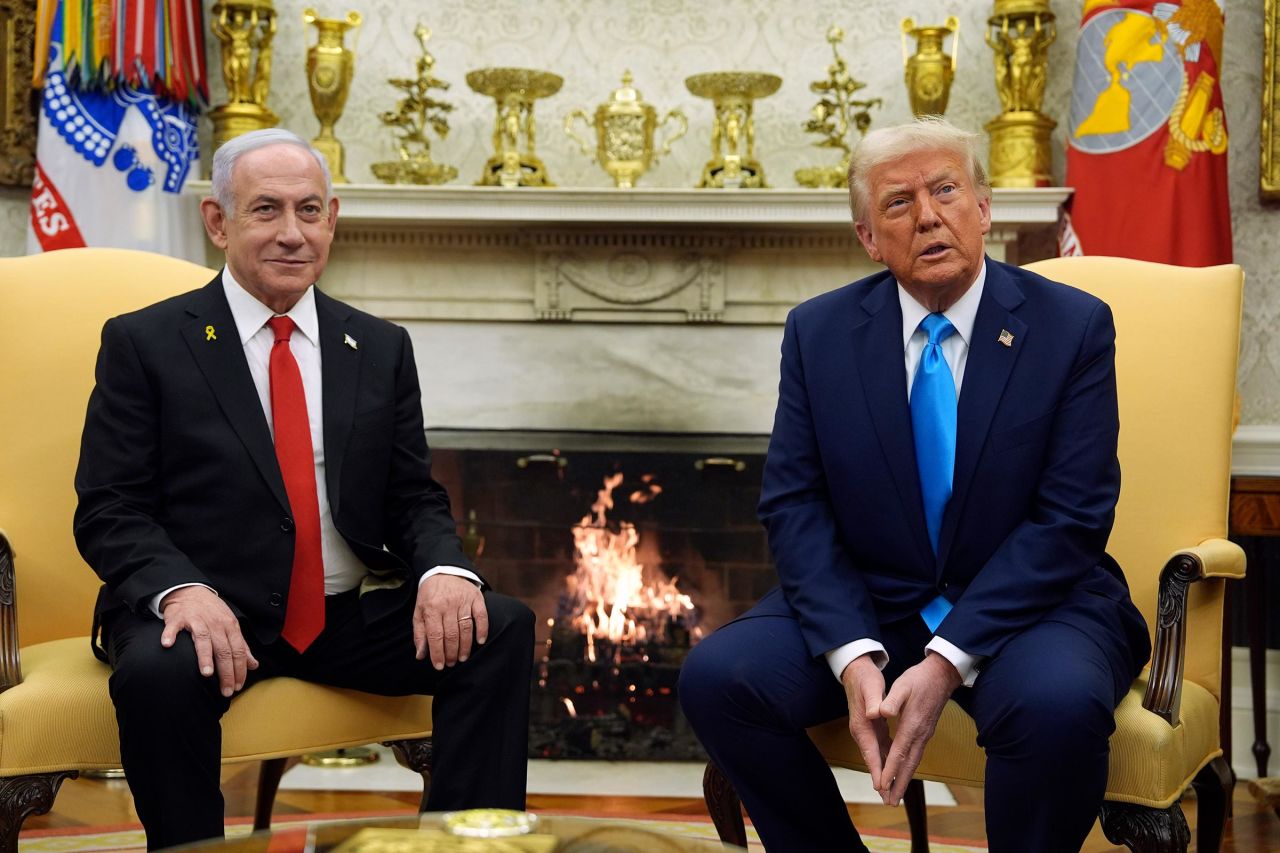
pixel 916 700
pixel 446 608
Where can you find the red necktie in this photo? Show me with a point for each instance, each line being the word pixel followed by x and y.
pixel 304 616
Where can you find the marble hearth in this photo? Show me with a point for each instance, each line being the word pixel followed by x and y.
pixel 651 310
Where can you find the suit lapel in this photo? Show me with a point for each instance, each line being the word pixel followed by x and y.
pixel 215 344
pixel 877 340
pixel 985 375
pixel 340 367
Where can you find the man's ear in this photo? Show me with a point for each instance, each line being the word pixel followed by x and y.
pixel 215 222
pixel 333 214
pixel 984 213
pixel 868 240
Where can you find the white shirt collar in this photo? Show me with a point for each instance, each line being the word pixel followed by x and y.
pixel 251 315
pixel 962 315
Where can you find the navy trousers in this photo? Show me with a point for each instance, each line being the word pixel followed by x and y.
pixel 1044 710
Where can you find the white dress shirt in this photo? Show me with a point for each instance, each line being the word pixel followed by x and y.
pixel 955 348
pixel 342 568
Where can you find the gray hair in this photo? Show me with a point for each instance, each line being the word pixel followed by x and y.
pixel 926 133
pixel 224 162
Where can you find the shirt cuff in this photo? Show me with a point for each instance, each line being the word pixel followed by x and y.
pixel 451 570
pixel 156 599
pixel 965 664
pixel 841 656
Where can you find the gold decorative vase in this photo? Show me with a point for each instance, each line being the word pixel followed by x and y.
pixel 625 128
pixel 329 69
pixel 929 71
pixel 733 160
pixel 416 112
pixel 1020 32
pixel 514 162
pixel 245 29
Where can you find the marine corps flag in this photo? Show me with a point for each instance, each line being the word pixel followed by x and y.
pixel 1147 139
pixel 122 83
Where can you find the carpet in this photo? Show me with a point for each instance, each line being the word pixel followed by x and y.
pixel 130 839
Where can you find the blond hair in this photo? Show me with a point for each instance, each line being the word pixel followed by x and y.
pixel 926 133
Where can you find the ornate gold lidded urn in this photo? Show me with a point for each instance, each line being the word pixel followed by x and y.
pixel 329 69
pixel 835 117
pixel 1020 32
pixel 625 127
pixel 417 111
pixel 929 71
pixel 514 90
pixel 733 160
pixel 245 29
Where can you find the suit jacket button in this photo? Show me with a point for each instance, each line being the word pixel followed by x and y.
pixel 275 599
pixel 287 525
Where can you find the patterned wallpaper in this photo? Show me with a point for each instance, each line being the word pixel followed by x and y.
pixel 591 42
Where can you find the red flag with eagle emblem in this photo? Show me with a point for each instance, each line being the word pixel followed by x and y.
pixel 1147 139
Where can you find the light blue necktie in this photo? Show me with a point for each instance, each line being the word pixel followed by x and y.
pixel 933 424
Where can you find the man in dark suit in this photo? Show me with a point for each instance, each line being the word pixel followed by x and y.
pixel 940 485
pixel 256 495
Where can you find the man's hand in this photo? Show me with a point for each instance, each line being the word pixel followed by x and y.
pixel 215 630
pixel 916 699
pixel 447 608
pixel 864 690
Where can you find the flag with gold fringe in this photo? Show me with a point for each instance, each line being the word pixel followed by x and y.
pixel 1147 138
pixel 123 82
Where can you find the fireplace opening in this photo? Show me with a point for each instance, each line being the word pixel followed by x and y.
pixel 629 548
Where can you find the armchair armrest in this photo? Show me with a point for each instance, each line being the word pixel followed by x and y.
pixel 10 663
pixel 1212 558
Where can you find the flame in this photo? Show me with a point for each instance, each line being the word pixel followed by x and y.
pixel 608 591
pixel 568 705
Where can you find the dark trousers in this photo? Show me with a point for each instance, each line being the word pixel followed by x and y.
pixel 171 738
pixel 1044 710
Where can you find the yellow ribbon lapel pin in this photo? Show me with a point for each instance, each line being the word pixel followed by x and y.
pixel 210 334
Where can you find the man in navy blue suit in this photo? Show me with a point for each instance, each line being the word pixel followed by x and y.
pixel 940 486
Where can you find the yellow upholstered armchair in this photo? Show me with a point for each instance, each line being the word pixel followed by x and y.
pixel 56 718
pixel 1177 338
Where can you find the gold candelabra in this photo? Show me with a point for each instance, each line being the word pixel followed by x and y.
pixel 929 71
pixel 835 117
pixel 1020 32
pixel 514 91
pixel 625 126
pixel 245 29
pixel 329 68
pixel 733 160
pixel 416 112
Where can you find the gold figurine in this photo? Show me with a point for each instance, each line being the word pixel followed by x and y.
pixel 733 160
pixel 245 29
pixel 514 163
pixel 834 116
pixel 329 69
pixel 625 126
pixel 1020 32
pixel 412 116
pixel 929 71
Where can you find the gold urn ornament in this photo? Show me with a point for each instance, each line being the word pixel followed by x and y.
pixel 329 68
pixel 245 30
pixel 625 128
pixel 1020 32
pixel 514 162
pixel 929 71
pixel 414 114
pixel 733 162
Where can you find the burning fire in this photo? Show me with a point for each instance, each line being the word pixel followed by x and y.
pixel 607 591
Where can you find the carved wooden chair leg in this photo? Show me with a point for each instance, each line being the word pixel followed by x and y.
pixel 1213 793
pixel 268 784
pixel 23 796
pixel 917 817
pixel 724 806
pixel 1146 830
pixel 416 756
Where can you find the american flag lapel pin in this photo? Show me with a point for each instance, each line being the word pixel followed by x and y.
pixel 1006 337
pixel 350 341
